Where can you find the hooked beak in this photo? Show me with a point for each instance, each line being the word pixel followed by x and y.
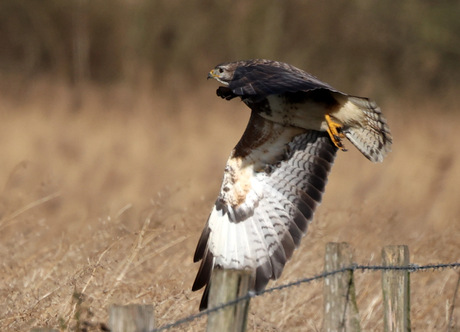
pixel 211 74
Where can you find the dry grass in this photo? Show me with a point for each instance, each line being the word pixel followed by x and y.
pixel 105 206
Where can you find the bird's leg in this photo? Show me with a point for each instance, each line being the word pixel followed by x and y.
pixel 335 132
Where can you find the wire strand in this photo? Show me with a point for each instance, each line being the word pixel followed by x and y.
pixel 411 268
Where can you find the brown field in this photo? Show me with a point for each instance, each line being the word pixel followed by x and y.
pixel 108 202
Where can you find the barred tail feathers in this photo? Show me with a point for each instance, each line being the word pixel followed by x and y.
pixel 372 136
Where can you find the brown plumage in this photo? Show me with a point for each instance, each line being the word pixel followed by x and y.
pixel 276 175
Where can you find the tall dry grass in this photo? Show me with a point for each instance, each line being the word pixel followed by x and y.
pixel 105 205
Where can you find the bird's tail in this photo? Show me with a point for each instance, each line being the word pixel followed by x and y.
pixel 372 137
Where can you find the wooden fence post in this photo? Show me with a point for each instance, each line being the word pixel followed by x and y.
pixel 396 289
pixel 227 285
pixel 131 318
pixel 340 308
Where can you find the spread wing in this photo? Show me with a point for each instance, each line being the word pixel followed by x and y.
pixel 267 77
pixel 273 181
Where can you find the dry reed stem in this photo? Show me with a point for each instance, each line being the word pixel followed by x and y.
pixel 96 265
pixel 450 322
pixel 123 268
pixel 9 220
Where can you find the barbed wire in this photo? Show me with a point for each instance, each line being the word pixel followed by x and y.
pixel 411 268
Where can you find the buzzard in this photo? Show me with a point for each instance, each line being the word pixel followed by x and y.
pixel 276 174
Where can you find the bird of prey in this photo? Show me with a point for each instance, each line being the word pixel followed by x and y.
pixel 276 174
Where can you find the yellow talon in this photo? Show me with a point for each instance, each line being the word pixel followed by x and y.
pixel 335 132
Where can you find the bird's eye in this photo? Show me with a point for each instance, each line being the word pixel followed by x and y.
pixel 221 70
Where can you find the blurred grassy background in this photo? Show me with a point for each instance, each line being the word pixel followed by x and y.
pixel 407 49
pixel 113 145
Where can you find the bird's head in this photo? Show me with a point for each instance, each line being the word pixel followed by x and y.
pixel 223 73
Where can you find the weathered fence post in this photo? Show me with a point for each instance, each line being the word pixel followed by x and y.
pixel 227 285
pixel 396 289
pixel 340 309
pixel 131 318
